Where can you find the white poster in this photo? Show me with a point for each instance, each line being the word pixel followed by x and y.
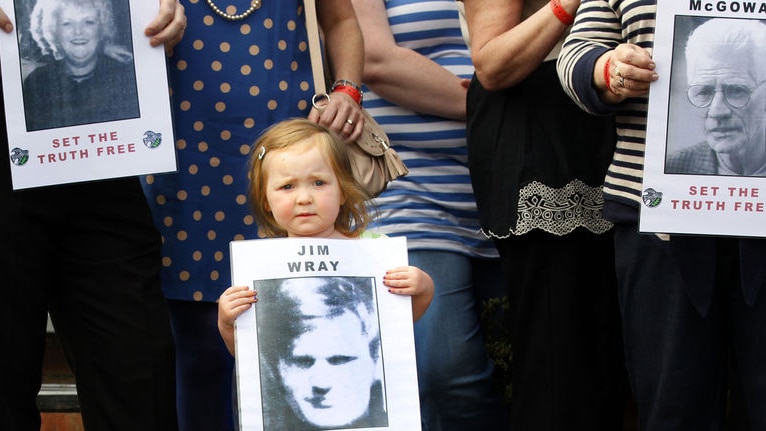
pixel 86 97
pixel 705 161
pixel 326 346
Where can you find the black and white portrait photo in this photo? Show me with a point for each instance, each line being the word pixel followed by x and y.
pixel 717 108
pixel 320 354
pixel 77 62
pixel 326 346
pixel 705 149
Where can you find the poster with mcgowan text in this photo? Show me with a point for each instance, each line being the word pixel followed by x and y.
pixel 85 95
pixel 326 346
pixel 705 159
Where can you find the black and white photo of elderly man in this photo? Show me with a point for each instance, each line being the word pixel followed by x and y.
pixel 726 72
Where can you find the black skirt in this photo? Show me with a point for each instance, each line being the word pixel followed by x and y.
pixel 531 137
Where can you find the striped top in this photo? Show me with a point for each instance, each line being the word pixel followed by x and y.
pixel 433 206
pixel 601 25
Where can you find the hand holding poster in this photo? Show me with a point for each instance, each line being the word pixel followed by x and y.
pixel 86 96
pixel 705 161
pixel 326 346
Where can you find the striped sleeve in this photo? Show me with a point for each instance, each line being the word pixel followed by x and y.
pixel 601 26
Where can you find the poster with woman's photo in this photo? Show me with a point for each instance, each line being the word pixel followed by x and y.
pixel 705 158
pixel 326 347
pixel 85 95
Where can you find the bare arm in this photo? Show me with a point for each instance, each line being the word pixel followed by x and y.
pixel 345 54
pixel 403 76
pixel 506 50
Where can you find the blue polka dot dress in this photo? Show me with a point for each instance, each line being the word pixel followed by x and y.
pixel 229 81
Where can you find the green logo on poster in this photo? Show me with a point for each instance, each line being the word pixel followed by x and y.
pixel 152 139
pixel 19 157
pixel 652 198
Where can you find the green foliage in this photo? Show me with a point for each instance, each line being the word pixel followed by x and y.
pixel 495 321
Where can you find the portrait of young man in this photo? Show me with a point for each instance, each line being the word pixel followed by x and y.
pixel 320 354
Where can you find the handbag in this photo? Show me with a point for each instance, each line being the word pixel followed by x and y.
pixel 373 162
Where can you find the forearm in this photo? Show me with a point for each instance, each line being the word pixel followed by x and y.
pixel 227 333
pixel 420 304
pixel 505 48
pixel 343 39
pixel 413 81
pixel 404 76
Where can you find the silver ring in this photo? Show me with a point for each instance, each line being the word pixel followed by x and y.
pixel 622 81
pixel 320 101
pixel 350 123
pixel 617 70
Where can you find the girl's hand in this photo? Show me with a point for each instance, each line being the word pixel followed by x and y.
pixel 412 281
pixel 407 280
pixel 233 302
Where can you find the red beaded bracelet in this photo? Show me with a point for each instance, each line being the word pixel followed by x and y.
pixel 351 91
pixel 561 13
pixel 607 77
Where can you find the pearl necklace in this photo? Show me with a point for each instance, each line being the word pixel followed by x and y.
pixel 254 4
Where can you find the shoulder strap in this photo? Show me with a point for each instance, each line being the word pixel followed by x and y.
pixel 315 48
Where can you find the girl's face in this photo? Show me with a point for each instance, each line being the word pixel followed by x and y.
pixel 302 192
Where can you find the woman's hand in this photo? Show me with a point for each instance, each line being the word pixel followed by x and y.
pixel 168 27
pixel 341 114
pixel 626 71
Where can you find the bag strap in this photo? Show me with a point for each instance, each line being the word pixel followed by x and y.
pixel 315 47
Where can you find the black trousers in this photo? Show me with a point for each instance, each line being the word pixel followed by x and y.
pixel 88 254
pixel 682 362
pixel 567 371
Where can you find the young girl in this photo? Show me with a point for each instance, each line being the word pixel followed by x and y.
pixel 301 186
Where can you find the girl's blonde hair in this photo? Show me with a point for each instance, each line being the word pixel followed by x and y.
pixel 353 217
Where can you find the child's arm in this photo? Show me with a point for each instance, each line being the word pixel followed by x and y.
pixel 413 281
pixel 233 302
